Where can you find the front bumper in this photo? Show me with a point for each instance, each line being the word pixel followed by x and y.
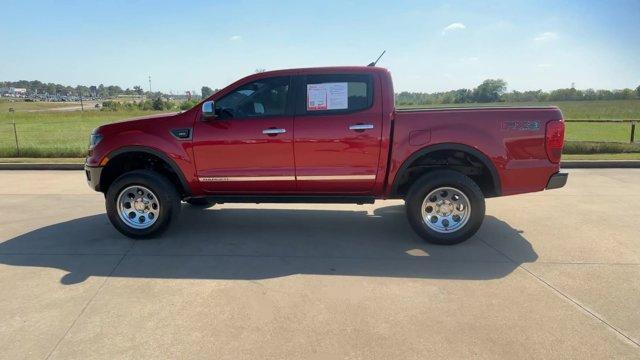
pixel 557 181
pixel 93 176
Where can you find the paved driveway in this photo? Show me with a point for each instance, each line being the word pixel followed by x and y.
pixel 549 275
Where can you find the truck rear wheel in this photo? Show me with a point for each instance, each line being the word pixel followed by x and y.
pixel 445 207
pixel 142 203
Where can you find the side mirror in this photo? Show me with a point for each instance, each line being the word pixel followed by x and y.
pixel 208 110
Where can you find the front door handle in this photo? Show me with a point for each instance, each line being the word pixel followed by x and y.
pixel 273 131
pixel 361 127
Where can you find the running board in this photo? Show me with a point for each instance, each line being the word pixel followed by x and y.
pixel 258 199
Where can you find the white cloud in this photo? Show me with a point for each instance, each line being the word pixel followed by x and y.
pixel 453 27
pixel 544 65
pixel 546 37
pixel 235 38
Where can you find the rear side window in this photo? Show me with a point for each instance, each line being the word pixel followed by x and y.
pixel 340 93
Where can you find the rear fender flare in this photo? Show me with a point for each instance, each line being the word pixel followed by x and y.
pixel 448 146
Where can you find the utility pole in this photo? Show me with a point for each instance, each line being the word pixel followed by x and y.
pixel 81 104
pixel 149 85
pixel 15 132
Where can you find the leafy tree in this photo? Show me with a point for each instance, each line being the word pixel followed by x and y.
pixel 188 104
pixel 206 92
pixel 490 90
pixel 157 104
pixel 638 91
pixel 462 96
pixel 627 94
pixel 138 90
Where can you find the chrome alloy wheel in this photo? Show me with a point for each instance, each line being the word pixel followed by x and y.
pixel 446 210
pixel 138 207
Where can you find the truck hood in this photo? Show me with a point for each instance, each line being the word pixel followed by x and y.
pixel 135 122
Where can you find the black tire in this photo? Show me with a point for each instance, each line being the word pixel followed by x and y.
pixel 200 202
pixel 445 178
pixel 167 195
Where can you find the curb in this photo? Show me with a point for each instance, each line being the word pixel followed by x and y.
pixel 571 164
pixel 600 164
pixel 35 166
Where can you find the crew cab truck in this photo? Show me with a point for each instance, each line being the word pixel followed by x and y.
pixel 324 135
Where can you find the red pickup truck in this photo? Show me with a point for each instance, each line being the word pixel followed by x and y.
pixel 324 135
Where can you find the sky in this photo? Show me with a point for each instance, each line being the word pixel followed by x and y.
pixel 431 45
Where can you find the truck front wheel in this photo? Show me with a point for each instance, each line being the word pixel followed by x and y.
pixel 445 207
pixel 142 203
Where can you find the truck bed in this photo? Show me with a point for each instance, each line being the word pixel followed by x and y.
pixel 512 137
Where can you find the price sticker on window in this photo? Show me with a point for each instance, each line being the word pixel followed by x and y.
pixel 327 96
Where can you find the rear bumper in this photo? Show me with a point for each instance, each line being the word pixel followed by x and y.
pixel 557 181
pixel 93 176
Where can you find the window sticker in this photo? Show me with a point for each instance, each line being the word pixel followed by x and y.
pixel 327 96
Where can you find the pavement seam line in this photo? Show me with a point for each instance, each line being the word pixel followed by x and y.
pixel 417 258
pixel 84 308
pixel 567 297
pixel 45 253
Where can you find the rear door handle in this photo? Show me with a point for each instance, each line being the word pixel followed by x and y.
pixel 273 131
pixel 361 127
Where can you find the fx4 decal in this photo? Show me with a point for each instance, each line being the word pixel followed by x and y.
pixel 524 125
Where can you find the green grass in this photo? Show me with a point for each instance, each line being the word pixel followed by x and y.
pixel 54 134
pixel 613 132
pixel 594 147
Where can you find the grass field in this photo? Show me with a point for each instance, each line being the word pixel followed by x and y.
pixel 54 134
pixel 65 134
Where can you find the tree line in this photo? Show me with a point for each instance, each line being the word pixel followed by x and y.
pixel 494 90
pixel 490 90
pixel 38 87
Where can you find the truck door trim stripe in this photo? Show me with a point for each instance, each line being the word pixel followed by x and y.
pixel 285 178
pixel 246 178
pixel 337 177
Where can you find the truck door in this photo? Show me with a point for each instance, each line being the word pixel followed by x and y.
pixel 248 147
pixel 338 133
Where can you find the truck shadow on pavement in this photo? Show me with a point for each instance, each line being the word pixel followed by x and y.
pixel 252 244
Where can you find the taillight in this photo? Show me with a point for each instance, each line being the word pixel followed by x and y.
pixel 554 140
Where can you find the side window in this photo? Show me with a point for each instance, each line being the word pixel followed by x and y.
pixel 264 97
pixel 328 94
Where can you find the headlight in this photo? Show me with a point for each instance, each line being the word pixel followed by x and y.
pixel 94 140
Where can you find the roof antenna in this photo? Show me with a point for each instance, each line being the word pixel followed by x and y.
pixel 375 62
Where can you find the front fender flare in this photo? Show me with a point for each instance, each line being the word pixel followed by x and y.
pixel 157 153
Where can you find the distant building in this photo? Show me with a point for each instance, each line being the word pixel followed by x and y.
pixel 11 91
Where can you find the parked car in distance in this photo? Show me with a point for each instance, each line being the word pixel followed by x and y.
pixel 324 135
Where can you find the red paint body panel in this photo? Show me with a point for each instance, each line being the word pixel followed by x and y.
pixel 239 149
pixel 518 155
pixel 322 145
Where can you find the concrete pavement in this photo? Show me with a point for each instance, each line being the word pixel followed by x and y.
pixel 549 275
